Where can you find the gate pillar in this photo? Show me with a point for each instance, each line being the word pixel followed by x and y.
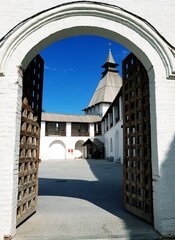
pixel 10 104
pixel 164 158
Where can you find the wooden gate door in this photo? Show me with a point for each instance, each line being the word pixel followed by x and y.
pixel 137 171
pixel 30 139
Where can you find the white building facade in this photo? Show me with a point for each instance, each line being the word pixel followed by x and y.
pixel 68 143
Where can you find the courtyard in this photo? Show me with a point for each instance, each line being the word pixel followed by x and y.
pixel 82 199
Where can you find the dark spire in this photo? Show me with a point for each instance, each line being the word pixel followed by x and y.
pixel 110 65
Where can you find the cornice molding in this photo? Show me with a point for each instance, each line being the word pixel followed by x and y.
pixel 10 42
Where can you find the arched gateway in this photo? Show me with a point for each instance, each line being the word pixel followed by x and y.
pixel 24 41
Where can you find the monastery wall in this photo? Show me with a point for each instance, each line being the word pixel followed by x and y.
pixel 159 13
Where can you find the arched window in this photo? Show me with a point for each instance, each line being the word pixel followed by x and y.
pixel 111 145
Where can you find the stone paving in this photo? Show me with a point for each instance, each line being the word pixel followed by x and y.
pixel 82 199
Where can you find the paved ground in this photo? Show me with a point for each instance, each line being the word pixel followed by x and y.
pixel 82 200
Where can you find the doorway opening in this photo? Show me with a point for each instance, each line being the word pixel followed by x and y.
pixel 58 148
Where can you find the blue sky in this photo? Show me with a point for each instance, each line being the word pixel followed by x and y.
pixel 73 70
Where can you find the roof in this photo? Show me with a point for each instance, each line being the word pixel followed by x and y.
pixel 107 89
pixel 110 57
pixel 94 141
pixel 109 85
pixel 54 117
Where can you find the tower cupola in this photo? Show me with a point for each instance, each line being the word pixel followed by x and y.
pixel 110 65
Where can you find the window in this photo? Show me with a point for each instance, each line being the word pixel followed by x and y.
pixel 55 128
pixel 80 129
pixel 111 145
pixel 116 112
pixel 97 129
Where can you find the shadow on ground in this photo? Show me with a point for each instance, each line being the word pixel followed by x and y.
pixel 105 192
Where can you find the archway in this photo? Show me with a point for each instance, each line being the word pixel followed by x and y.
pixel 21 44
pixel 57 150
pixel 79 150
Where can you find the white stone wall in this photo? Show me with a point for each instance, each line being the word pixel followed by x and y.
pixel 91 129
pixel 103 108
pixel 159 13
pixel 164 152
pixel 10 103
pixel 68 129
pixel 68 142
pixel 99 109
pixel 141 35
pixel 43 129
